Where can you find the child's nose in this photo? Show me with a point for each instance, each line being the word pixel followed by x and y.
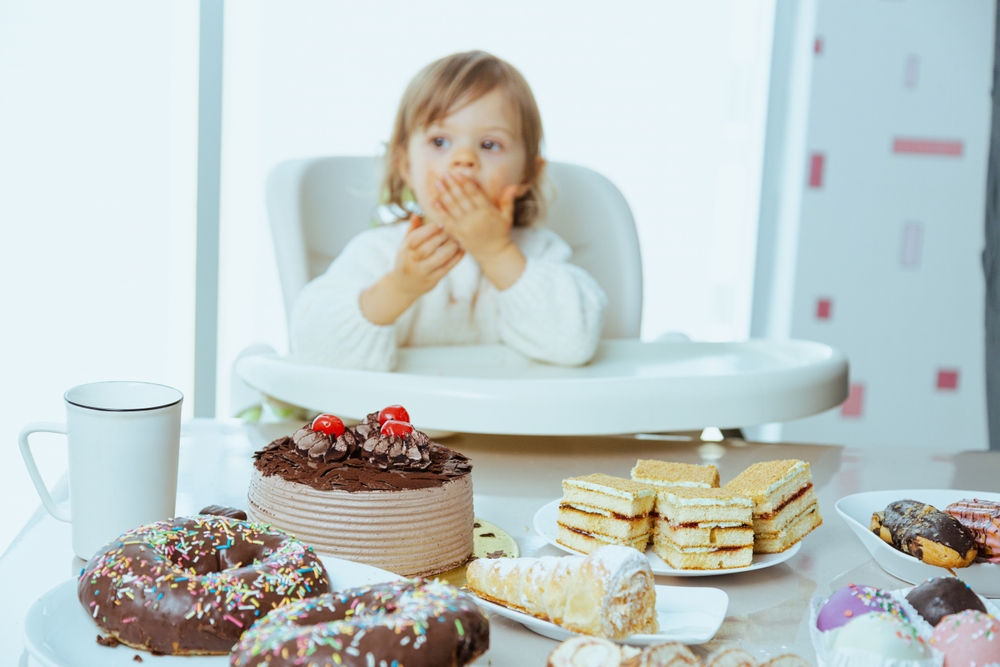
pixel 464 159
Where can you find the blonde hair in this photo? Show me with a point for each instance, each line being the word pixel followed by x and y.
pixel 448 84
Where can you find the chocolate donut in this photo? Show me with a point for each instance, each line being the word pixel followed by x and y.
pixel 192 585
pixel 409 622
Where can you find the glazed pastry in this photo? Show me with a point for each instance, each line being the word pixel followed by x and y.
pixel 925 533
pixel 412 623
pixel 191 586
pixel 942 596
pixel 582 651
pixel 609 593
pixel 852 601
pixel 883 634
pixel 731 657
pixel 968 638
pixel 982 518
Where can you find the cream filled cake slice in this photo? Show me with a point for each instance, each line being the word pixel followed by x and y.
pixel 666 473
pixel 703 528
pixel 785 505
pixel 598 510
pixel 616 495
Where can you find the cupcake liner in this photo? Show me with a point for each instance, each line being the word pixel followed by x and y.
pixel 826 656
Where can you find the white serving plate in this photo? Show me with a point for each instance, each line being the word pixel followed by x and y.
pixel 59 633
pixel 857 509
pixel 686 615
pixel 629 387
pixel 546 525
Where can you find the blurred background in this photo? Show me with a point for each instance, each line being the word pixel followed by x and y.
pixel 812 169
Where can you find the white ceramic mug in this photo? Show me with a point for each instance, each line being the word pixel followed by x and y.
pixel 123 440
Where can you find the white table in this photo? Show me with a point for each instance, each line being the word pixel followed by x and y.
pixel 513 476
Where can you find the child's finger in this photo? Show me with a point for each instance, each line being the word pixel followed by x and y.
pixel 507 198
pixel 416 236
pixel 453 195
pixel 449 263
pixel 427 248
pixel 442 255
pixel 473 192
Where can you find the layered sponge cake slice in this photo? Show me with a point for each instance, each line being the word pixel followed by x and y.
pixel 785 504
pixel 597 510
pixel 668 474
pixel 703 528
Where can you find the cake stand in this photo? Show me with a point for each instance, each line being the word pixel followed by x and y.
pixel 629 387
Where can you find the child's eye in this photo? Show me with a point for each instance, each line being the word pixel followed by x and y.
pixel 491 145
pixel 440 142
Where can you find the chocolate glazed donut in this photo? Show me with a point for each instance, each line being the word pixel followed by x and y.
pixel 409 622
pixel 191 586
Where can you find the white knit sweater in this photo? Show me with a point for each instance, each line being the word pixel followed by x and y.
pixel 553 313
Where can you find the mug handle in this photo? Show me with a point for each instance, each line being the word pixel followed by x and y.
pixel 29 460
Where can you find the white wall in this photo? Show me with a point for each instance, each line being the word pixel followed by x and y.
pixel 893 240
pixel 667 99
pixel 98 131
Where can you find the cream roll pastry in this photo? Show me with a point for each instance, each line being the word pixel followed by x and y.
pixel 380 493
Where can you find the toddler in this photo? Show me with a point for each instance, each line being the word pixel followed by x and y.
pixel 468 267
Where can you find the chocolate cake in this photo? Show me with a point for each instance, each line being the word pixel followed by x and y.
pixel 398 502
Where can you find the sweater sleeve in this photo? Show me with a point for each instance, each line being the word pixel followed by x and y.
pixel 555 310
pixel 327 326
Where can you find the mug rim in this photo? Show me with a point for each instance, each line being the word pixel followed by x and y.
pixel 180 396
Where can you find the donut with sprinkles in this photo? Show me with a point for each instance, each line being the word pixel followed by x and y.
pixel 193 585
pixel 409 623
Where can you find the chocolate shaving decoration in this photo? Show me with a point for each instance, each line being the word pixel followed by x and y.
pixel 477 525
pixel 278 443
pixel 137 658
pixel 108 641
pixel 221 510
pixel 411 462
pixel 488 535
pixel 499 553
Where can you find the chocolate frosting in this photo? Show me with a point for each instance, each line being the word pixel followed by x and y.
pixel 222 510
pixel 936 598
pixel 367 461
pixel 909 520
pixel 412 623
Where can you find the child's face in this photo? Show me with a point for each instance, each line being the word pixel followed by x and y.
pixel 481 140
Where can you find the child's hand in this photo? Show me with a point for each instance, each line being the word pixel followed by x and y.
pixel 425 256
pixel 481 227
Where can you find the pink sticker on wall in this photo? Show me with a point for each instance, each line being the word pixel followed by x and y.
pixel 854 405
pixel 913 238
pixel 823 308
pixel 818 46
pixel 911 71
pixel 947 379
pixel 816 170
pixel 946 147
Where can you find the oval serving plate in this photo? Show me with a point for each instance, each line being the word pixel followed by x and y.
pixel 857 509
pixel 686 615
pixel 546 525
